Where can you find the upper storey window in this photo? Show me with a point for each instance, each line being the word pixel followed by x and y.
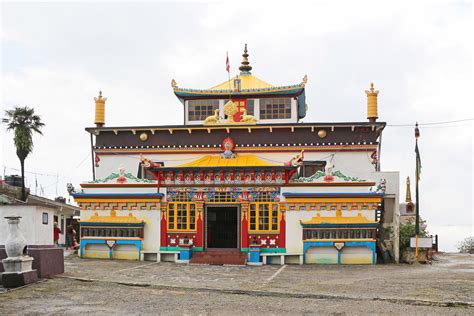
pixel 198 110
pixel 273 109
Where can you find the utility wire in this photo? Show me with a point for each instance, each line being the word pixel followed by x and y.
pixel 432 123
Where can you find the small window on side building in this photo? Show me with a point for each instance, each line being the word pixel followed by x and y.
pixel 45 218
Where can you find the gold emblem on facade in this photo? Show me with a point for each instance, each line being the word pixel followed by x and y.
pixel 322 133
pixel 230 109
pixel 143 137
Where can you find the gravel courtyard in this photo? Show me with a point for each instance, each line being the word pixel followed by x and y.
pixel 124 287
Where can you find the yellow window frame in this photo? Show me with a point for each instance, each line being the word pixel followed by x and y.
pixel 259 213
pixel 173 220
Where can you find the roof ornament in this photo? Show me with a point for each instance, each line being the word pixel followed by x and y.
pixel 372 111
pixel 99 110
pixel 174 85
pixel 245 66
pixel 305 80
pixel 408 193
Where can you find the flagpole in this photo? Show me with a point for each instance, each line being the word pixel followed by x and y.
pixel 417 178
pixel 228 75
pixel 230 90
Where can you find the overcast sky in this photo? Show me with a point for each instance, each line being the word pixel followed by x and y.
pixel 56 56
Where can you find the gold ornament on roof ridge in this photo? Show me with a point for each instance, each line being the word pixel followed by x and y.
pixel 174 85
pixel 100 110
pixel 372 91
pixel 245 66
pixel 305 80
pixel 372 108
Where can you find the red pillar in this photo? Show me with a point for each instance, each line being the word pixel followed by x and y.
pixel 199 242
pixel 244 228
pixel 282 238
pixel 163 239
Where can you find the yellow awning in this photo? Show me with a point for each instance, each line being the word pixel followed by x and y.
pixel 113 218
pixel 247 82
pixel 217 161
pixel 359 219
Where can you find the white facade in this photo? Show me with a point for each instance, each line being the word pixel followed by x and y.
pixel 31 223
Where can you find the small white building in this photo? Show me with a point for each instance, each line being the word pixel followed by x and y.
pixel 38 216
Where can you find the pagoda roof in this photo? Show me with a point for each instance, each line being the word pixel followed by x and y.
pixel 211 161
pixel 250 86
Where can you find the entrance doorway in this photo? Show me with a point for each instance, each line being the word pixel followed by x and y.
pixel 222 226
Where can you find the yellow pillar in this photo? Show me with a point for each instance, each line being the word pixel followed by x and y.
pixel 372 113
pixel 100 110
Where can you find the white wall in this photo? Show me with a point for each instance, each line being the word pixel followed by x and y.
pixel 349 163
pixel 31 226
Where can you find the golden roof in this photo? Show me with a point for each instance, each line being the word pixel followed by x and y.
pixel 247 82
pixel 113 218
pixel 217 161
pixel 338 219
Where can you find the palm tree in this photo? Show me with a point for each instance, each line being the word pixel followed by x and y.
pixel 24 122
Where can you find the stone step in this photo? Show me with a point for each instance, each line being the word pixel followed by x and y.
pixel 219 257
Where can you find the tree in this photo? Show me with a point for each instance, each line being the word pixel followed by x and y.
pixel 23 121
pixel 408 231
pixel 466 245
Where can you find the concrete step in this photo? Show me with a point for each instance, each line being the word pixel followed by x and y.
pixel 220 257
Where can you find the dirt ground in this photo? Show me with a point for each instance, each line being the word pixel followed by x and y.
pixel 125 287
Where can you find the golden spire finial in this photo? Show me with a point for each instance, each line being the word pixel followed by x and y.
pixel 305 80
pixel 174 85
pixel 245 66
pixel 408 193
pixel 372 111
pixel 100 110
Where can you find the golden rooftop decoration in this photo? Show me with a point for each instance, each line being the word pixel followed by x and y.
pixel 100 110
pixel 230 109
pixel 305 80
pixel 174 85
pixel 339 219
pixel 245 66
pixel 372 113
pixel 408 195
pixel 113 218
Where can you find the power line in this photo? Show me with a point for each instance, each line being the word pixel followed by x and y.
pixel 432 123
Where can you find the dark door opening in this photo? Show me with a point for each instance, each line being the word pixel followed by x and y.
pixel 222 227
